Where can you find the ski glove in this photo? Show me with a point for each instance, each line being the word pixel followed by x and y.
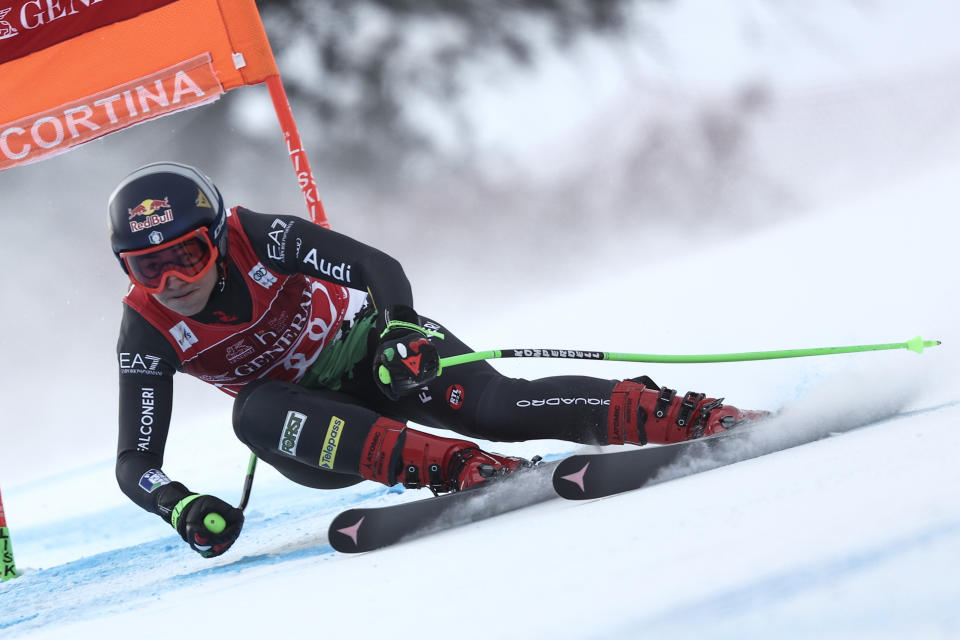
pixel 405 359
pixel 207 523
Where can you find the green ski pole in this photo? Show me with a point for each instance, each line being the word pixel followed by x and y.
pixel 248 482
pixel 214 522
pixel 917 345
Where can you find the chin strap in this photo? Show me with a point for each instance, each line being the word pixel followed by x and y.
pixel 221 274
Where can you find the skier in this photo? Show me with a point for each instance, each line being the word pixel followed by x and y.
pixel 315 335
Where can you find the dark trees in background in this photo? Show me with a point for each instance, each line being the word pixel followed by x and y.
pixel 359 70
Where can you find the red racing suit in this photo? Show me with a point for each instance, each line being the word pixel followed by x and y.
pixel 287 288
pixel 293 318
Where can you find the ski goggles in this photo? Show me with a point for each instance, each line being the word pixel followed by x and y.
pixel 188 257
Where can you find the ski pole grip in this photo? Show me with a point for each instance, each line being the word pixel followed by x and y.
pixel 214 523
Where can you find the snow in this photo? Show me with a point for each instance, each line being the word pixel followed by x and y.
pixel 851 536
pixel 855 535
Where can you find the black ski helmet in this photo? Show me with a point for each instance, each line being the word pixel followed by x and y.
pixel 162 201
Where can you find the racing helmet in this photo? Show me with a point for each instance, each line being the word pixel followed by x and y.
pixel 167 219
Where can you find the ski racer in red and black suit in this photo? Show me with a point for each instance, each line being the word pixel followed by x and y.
pixel 295 320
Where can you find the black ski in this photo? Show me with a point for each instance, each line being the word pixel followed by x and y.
pixel 365 529
pixel 581 477
pixel 587 476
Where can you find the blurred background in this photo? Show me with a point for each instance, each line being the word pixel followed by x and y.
pixel 500 149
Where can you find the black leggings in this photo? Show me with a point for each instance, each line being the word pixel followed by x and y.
pixel 288 426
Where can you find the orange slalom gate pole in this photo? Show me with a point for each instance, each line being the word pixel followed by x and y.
pixel 298 156
pixel 308 185
pixel 8 568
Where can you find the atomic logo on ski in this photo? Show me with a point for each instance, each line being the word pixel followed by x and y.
pixel 577 478
pixel 351 531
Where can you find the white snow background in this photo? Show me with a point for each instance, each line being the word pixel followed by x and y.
pixel 855 535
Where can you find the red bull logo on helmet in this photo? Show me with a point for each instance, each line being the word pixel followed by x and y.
pixel 150 213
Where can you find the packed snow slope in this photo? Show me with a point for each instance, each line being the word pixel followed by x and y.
pixel 853 535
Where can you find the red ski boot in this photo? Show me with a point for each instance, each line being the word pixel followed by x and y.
pixel 393 453
pixel 642 412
